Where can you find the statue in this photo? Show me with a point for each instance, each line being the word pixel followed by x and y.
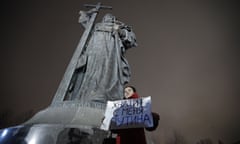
pixel 102 70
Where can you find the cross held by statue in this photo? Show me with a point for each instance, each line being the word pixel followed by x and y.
pixel 97 6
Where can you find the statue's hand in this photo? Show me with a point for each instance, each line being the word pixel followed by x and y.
pixel 122 33
pixel 115 26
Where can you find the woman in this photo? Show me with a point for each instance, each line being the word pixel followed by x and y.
pixel 131 135
pixel 134 135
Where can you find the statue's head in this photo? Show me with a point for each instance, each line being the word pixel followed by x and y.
pixel 109 18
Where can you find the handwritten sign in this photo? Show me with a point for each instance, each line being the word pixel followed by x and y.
pixel 130 113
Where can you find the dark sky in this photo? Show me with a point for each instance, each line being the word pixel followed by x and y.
pixel 187 59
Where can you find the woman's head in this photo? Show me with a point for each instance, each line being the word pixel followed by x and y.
pixel 129 91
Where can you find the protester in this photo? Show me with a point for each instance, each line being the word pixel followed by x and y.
pixel 134 135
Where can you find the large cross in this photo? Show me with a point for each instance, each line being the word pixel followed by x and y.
pixel 97 6
pixel 63 87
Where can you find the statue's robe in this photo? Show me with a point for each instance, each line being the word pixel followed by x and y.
pixel 102 70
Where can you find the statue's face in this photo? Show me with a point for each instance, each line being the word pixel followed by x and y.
pixel 128 92
pixel 108 18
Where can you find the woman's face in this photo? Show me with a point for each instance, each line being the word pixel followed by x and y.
pixel 128 92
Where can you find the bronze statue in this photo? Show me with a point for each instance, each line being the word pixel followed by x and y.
pixel 102 70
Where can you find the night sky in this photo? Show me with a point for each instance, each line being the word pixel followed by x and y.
pixel 187 59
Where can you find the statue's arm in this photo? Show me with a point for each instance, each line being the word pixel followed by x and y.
pixel 91 11
pixel 127 36
pixel 85 16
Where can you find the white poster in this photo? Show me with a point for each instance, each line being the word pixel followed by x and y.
pixel 130 113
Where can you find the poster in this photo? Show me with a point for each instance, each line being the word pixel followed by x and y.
pixel 130 113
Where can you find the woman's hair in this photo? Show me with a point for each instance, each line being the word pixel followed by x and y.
pixel 132 87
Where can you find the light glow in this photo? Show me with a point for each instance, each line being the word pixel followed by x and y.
pixel 4 133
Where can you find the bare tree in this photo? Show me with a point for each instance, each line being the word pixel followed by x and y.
pixel 177 138
pixel 9 118
pixel 5 118
pixel 205 141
